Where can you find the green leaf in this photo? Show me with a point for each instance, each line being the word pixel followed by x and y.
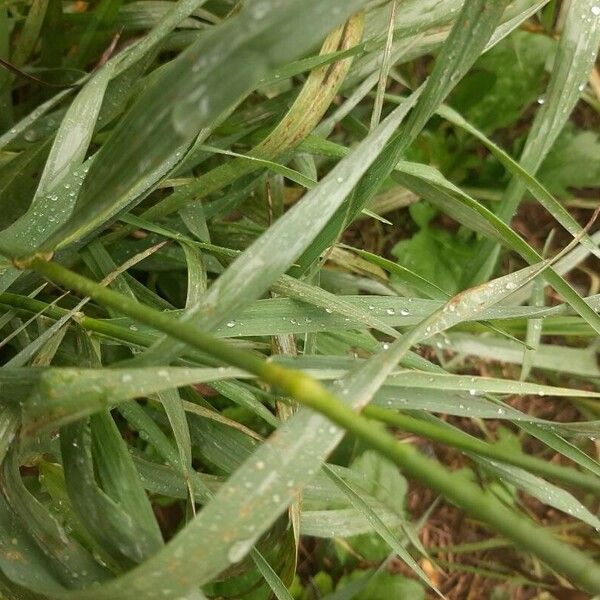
pixel 70 562
pixel 573 162
pixel 65 159
pixel 118 476
pixel 436 255
pixel 470 34
pixel 383 481
pixel 545 492
pixel 275 251
pixel 381 585
pixel 114 530
pixel 382 529
pixel 575 57
pixel 137 154
pixel 504 81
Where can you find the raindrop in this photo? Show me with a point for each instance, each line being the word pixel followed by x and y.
pixel 473 392
pixel 596 11
pixel 239 550
pixel 405 312
pixel 390 311
pixel 230 323
pixel 541 100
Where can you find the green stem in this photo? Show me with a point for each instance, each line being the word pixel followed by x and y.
pixel 457 487
pixel 434 431
pixel 458 439
pixel 99 326
pixel 428 429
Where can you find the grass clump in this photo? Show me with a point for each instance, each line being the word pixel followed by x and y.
pixel 287 287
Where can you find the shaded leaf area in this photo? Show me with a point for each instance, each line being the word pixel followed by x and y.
pixel 268 326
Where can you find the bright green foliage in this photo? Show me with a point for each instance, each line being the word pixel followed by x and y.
pixel 238 243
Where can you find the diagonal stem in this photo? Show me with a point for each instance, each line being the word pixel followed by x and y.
pixel 458 487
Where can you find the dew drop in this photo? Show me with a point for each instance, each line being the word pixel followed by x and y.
pixel 230 323
pixel 596 11
pixel 390 311
pixel 239 550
